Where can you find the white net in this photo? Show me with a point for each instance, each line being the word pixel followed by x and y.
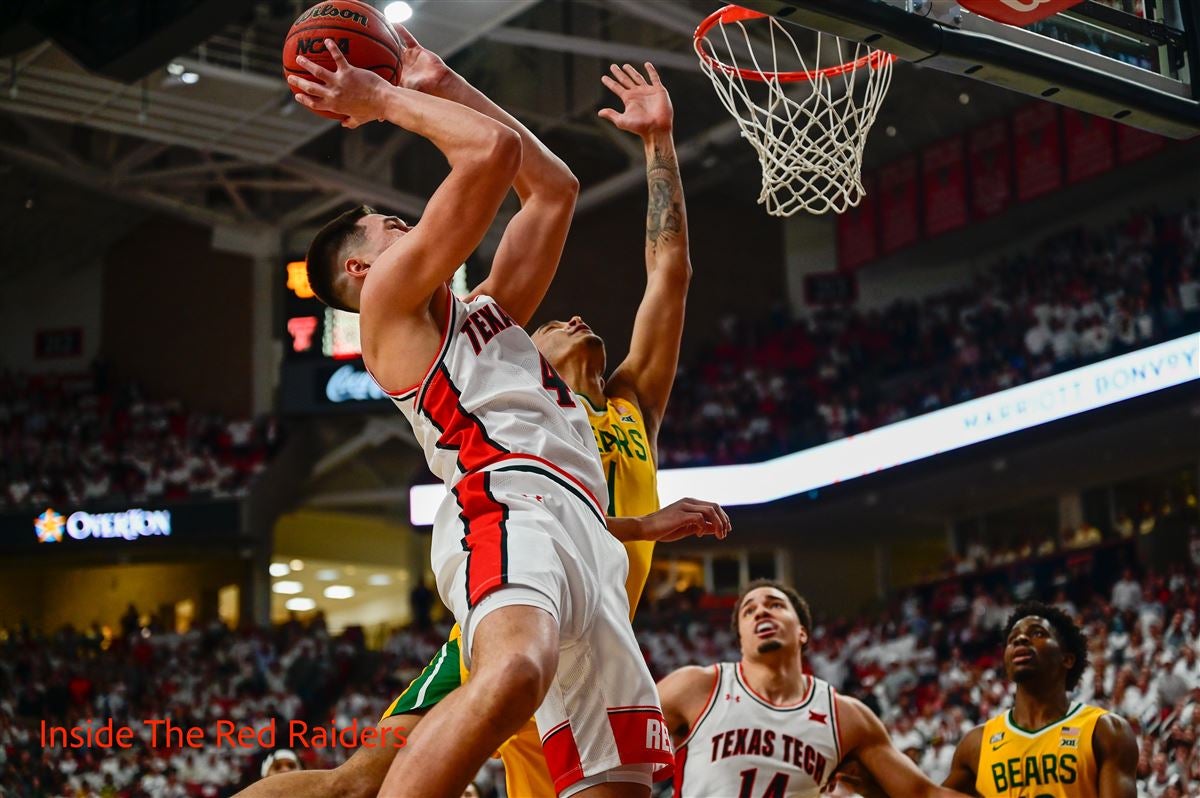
pixel 808 121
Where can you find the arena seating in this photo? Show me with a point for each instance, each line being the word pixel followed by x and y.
pixel 77 439
pixel 929 664
pixel 775 384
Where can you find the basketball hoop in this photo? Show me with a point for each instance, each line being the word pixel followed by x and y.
pixel 809 138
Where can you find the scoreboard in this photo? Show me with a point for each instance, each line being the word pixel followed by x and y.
pixel 322 365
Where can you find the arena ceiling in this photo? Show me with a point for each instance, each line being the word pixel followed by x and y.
pixel 233 148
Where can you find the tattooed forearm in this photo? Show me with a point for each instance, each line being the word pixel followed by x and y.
pixel 664 213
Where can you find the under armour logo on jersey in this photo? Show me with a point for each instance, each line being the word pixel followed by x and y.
pixel 737 699
pixel 819 717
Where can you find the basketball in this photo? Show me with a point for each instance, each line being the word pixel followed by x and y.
pixel 361 32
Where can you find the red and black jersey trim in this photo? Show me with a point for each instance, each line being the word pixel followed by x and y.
pixel 804 702
pixel 560 481
pixel 422 387
pixel 458 429
pixel 485 535
pixel 680 763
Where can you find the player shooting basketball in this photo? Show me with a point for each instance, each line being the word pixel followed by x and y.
pixel 626 410
pixel 762 727
pixel 1046 745
pixel 520 547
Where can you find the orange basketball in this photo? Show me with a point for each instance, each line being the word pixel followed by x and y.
pixel 361 32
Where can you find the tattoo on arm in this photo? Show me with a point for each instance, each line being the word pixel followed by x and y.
pixel 664 215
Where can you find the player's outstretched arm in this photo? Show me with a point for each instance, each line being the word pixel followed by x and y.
pixel 1116 757
pixel 963 767
pixel 686 518
pixel 484 157
pixel 684 694
pixel 864 737
pixel 421 69
pixel 649 371
pixel 527 258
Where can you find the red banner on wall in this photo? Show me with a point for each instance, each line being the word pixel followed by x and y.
pixel 990 158
pixel 858 229
pixel 944 179
pixel 1089 144
pixel 1134 143
pixel 1018 12
pixel 898 223
pixel 1037 150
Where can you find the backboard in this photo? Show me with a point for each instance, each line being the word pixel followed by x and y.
pixel 1133 61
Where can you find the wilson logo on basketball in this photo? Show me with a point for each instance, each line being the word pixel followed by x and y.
pixel 317 45
pixel 332 11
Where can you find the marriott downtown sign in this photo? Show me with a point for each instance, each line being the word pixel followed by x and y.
pixel 131 524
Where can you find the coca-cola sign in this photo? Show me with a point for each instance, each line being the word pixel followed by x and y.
pixel 352 384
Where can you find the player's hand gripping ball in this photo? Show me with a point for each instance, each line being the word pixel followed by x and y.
pixel 361 32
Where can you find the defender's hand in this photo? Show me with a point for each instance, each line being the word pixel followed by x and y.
pixel 420 69
pixel 356 94
pixel 647 105
pixel 686 518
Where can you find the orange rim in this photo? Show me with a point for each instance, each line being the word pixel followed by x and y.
pixel 731 13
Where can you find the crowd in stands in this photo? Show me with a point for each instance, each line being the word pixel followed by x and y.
pixel 142 672
pixel 1175 508
pixel 929 664
pixel 774 385
pixel 85 439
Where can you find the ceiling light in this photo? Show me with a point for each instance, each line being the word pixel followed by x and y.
pixel 339 592
pixel 287 587
pixel 279 569
pixel 300 604
pixel 398 11
pixel 890 130
pixel 964 98
pixel 296 565
pixel 379 580
pixel 189 78
pixel 327 574
pixel 175 69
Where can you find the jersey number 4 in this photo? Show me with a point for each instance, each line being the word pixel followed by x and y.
pixel 776 789
pixel 556 385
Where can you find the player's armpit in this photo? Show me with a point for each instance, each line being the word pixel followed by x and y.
pixel 684 694
pixel 1116 757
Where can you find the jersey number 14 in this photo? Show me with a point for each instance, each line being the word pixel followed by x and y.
pixel 776 789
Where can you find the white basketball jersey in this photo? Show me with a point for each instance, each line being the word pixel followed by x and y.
pixel 490 395
pixel 743 746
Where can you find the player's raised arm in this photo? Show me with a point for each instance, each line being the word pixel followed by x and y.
pixel 527 257
pixel 865 738
pixel 649 371
pixel 1116 757
pixel 484 157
